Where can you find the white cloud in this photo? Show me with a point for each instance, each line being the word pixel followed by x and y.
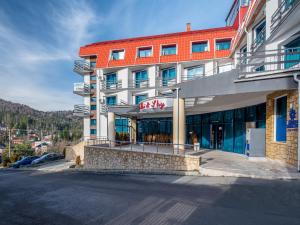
pixel 28 62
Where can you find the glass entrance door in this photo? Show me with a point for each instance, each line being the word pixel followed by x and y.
pixel 216 136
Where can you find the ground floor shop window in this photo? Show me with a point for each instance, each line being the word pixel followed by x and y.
pixel 280 119
pixel 122 129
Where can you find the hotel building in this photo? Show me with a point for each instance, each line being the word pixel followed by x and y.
pixel 211 87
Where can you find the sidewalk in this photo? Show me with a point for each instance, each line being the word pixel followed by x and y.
pixel 227 164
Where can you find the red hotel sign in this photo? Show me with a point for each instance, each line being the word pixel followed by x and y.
pixel 157 104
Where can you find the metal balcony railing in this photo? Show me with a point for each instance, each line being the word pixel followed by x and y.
pixel 103 108
pixel 139 84
pixel 81 89
pixel 260 38
pixel 267 61
pixel 283 10
pixel 82 67
pixel 111 85
pixel 81 110
pixel 186 77
pixel 165 82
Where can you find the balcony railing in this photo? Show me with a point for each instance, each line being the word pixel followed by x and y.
pixel 81 110
pixel 111 85
pixel 103 109
pixel 81 89
pixel 260 38
pixel 82 67
pixel 283 10
pixel 269 61
pixel 187 77
pixel 165 82
pixel 139 83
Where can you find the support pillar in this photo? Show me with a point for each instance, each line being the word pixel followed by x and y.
pixel 111 130
pixel 133 130
pixel 178 123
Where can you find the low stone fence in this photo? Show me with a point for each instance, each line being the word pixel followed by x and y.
pixel 124 160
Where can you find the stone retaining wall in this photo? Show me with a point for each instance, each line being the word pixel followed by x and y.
pixel 113 159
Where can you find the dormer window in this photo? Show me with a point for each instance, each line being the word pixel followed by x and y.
pixel 144 52
pixel 117 54
pixel 169 49
pixel 223 44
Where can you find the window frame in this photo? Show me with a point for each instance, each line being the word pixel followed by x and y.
pixel 165 45
pixel 192 67
pixel 145 47
pixel 110 96
pixel 223 39
pixel 119 50
pixel 275 117
pixel 199 41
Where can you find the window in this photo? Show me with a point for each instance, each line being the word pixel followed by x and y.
pixel 93 77
pixel 93 122
pixel 93 99
pixel 141 78
pixel 223 44
pixel 111 80
pixel 139 98
pixel 169 50
pixel 112 100
pixel 117 54
pixel 201 46
pixel 195 72
pixel 144 52
pixel 121 124
pixel 93 107
pixel 292 54
pixel 243 54
pixel 93 131
pixel 280 119
pixel 168 76
pixel 93 86
pixel 92 65
pixel 260 33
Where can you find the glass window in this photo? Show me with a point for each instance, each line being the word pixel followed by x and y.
pixel 111 80
pixel 280 119
pixel 195 72
pixel 93 122
pixel 223 44
pixel 260 33
pixel 92 64
pixel 292 54
pixel 200 46
pixel 117 54
pixel 145 52
pixel 168 76
pixel 141 77
pixel 93 131
pixel 93 107
pixel 112 100
pixel 93 99
pixel 139 98
pixel 168 50
pixel 93 77
pixel 93 86
pixel 121 124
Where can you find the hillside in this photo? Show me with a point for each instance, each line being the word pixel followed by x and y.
pixel 19 116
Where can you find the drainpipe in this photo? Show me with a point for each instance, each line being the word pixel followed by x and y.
pixel 298 80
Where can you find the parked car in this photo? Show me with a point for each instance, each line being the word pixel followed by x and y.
pixel 47 157
pixel 24 161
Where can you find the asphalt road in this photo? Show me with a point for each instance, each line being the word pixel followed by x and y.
pixel 34 197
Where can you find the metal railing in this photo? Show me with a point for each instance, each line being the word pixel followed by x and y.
pixel 187 77
pixel 81 89
pixel 270 60
pixel 111 85
pixel 144 83
pixel 282 11
pixel 82 67
pixel 260 38
pixel 166 82
pixel 151 147
pixel 81 110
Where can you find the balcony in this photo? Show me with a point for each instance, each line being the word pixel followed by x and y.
pixel 82 67
pixel 282 12
pixel 268 62
pixel 164 83
pixel 111 86
pixel 139 84
pixel 81 110
pixel 81 89
pixel 187 77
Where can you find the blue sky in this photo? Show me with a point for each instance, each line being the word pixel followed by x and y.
pixel 39 40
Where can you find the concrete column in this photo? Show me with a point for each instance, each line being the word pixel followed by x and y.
pixel 111 128
pixel 133 130
pixel 178 123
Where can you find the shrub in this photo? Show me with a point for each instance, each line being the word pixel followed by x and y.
pixel 78 160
